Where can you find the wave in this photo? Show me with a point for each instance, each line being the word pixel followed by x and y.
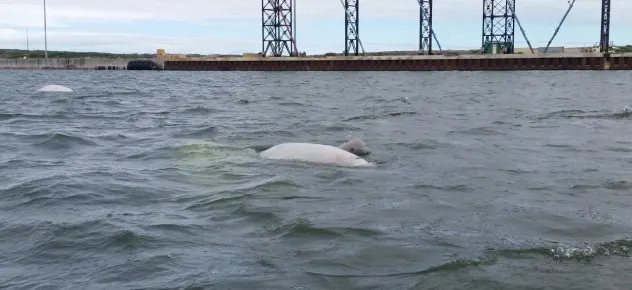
pixel 585 253
pixel 291 104
pixel 447 267
pixel 302 228
pixel 419 145
pixel 342 128
pixel 79 240
pixel 233 194
pixel 450 188
pixel 151 154
pixel 367 117
pixel 33 188
pixel 200 110
pixel 482 131
pixel 203 133
pixel 89 187
pixel 55 140
pixel 21 116
pixel 7 116
pixel 105 94
pixel 617 185
pixel 579 114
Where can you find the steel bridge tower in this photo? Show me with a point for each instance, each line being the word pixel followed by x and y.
pixel 498 26
pixel 425 26
pixel 604 44
pixel 278 20
pixel 352 27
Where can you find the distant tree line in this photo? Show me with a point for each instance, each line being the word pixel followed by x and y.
pixel 625 48
pixel 20 53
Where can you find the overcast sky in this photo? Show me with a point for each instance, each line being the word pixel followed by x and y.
pixel 217 26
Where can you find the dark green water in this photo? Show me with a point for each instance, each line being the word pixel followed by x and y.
pixel 148 180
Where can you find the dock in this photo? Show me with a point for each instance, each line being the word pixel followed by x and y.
pixel 82 63
pixel 464 62
pixel 496 62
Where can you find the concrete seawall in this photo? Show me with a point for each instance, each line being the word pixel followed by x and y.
pixel 65 63
pixel 411 63
pixel 579 61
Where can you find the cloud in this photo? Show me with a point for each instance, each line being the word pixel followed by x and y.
pixel 28 15
pixel 123 43
pixel 209 10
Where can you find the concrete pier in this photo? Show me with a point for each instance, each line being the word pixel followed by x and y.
pixel 466 62
pixel 579 61
pixel 65 63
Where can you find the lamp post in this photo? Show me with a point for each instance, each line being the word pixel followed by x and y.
pixel 45 35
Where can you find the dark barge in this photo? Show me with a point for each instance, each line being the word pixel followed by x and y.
pixel 500 62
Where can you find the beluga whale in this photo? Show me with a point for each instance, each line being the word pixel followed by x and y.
pixel 346 155
pixel 55 89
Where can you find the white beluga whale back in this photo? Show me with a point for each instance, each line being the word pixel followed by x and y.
pixel 319 153
pixel 55 89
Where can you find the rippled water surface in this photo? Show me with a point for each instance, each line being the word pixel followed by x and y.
pixel 484 180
